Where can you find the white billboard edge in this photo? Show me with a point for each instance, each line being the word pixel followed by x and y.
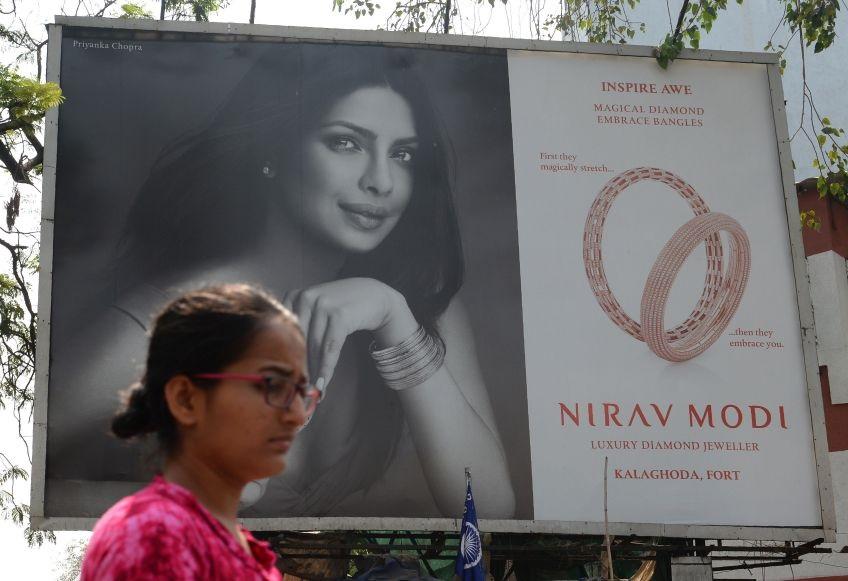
pixel 232 31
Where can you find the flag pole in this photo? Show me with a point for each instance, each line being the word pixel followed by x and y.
pixel 470 558
pixel 610 573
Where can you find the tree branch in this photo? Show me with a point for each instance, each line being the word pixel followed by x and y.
pixel 12 123
pixel 29 131
pixel 30 164
pixel 680 18
pixel 106 5
pixel 12 10
pixel 16 272
pixel 12 165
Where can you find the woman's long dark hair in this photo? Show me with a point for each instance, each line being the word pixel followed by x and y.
pixel 212 195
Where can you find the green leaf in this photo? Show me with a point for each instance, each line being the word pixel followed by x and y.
pixel 134 11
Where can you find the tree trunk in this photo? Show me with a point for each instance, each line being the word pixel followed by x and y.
pixel 162 10
pixel 252 11
pixel 447 16
pixel 680 18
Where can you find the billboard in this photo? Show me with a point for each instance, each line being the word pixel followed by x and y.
pixel 602 248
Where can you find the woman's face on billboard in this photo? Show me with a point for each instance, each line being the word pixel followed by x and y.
pixel 357 170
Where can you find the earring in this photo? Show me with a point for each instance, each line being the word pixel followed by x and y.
pixel 268 170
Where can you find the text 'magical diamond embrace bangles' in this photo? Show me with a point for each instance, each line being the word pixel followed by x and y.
pixel 722 291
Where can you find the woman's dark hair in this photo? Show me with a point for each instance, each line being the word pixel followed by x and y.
pixel 201 331
pixel 212 195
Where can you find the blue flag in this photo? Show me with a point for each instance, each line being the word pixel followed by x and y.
pixel 469 559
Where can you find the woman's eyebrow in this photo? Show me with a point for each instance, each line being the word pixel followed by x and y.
pixel 367 133
pixel 407 141
pixel 353 127
pixel 281 369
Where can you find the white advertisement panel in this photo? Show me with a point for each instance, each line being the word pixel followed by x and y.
pixel 677 359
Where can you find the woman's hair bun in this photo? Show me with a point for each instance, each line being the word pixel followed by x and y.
pixel 135 418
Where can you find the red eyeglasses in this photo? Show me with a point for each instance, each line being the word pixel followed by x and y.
pixel 279 391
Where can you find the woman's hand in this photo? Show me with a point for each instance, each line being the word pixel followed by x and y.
pixel 331 311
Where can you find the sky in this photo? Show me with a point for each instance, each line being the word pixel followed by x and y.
pixel 19 561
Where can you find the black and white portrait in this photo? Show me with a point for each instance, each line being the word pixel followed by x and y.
pixel 371 189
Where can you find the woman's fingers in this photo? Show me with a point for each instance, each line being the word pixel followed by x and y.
pixel 314 339
pixel 296 302
pixel 327 316
pixel 253 492
pixel 302 307
pixel 335 335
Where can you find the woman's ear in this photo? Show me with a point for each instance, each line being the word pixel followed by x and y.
pixel 185 400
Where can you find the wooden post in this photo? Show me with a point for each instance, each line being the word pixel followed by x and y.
pixel 610 573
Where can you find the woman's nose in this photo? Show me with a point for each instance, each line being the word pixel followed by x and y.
pixel 377 178
pixel 296 412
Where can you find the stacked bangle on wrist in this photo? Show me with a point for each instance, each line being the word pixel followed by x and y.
pixel 411 362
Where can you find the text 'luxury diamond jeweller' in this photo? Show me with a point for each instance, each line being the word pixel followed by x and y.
pixel 722 291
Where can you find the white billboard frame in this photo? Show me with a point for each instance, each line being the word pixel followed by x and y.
pixel 225 32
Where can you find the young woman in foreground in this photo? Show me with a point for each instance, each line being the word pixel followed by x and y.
pixel 225 391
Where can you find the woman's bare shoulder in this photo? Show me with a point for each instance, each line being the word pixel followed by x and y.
pixel 456 329
pixel 455 322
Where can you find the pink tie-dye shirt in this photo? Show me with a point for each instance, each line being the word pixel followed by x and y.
pixel 163 532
